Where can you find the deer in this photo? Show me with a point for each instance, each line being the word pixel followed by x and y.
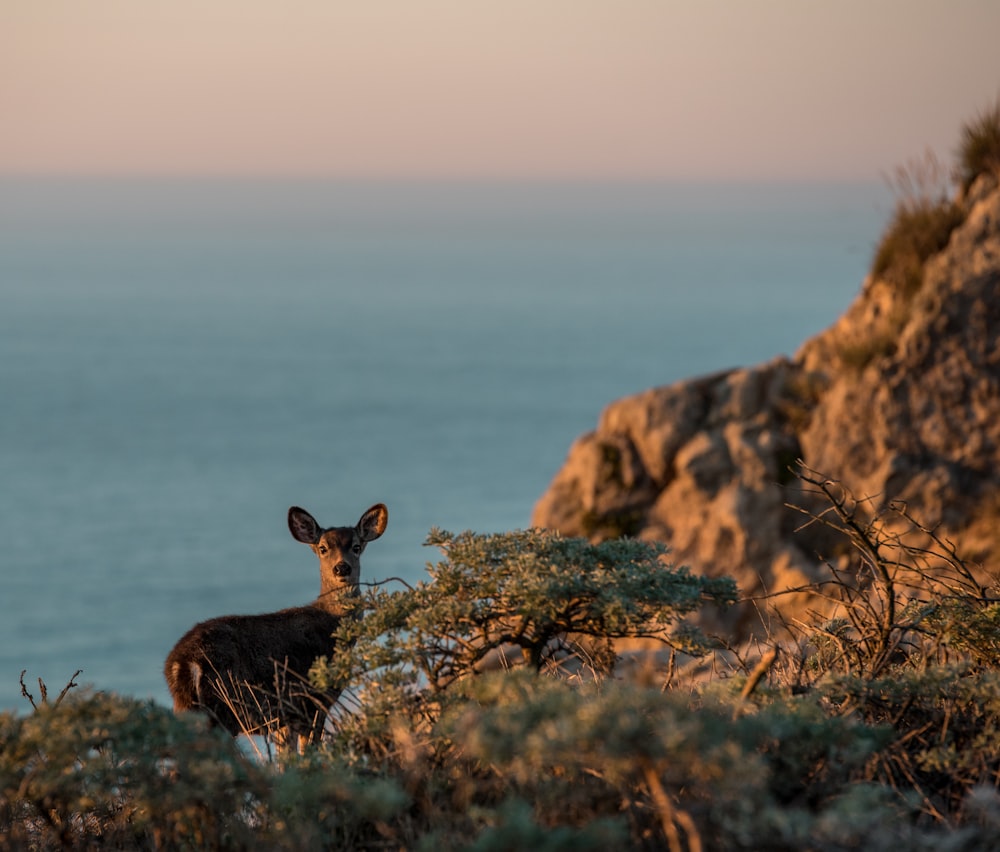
pixel 250 673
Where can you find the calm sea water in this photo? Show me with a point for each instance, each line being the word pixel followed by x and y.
pixel 181 361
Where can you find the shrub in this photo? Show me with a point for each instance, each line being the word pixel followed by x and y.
pixel 910 643
pixel 320 802
pixel 945 731
pixel 482 719
pixel 979 148
pixel 544 598
pixel 901 595
pixel 100 770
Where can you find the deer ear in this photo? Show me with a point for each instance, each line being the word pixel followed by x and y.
pixel 372 523
pixel 303 526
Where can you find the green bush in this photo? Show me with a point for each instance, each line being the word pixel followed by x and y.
pixel 319 802
pixel 98 770
pixel 487 714
pixel 945 730
pixel 701 767
pixel 548 601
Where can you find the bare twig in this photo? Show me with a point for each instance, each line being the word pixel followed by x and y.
pixel 377 584
pixel 24 690
pixel 43 690
pixel 70 685
pixel 670 817
pixel 757 675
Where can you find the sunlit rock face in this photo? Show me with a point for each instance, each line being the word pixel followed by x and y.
pixel 899 400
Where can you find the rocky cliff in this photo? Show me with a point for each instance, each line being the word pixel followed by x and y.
pixel 899 399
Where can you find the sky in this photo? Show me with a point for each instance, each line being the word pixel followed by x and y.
pixel 501 89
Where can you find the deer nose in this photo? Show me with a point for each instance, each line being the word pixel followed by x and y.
pixel 342 569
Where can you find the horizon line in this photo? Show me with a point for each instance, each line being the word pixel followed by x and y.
pixel 443 179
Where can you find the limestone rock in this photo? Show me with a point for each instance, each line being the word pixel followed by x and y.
pixel 899 399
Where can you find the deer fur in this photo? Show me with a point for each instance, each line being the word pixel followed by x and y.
pixel 250 673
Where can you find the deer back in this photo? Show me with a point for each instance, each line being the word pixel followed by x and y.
pixel 250 672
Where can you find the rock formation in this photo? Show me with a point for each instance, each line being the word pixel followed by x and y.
pixel 899 400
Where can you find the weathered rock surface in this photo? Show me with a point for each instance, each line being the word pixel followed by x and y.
pixel 899 399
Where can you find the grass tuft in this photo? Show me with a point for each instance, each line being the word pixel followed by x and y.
pixel 920 226
pixel 979 149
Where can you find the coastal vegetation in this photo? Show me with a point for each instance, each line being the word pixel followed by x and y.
pixel 920 227
pixel 979 149
pixel 490 709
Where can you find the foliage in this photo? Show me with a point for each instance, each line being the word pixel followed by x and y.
pixel 909 640
pixel 875 725
pixel 920 227
pixel 318 802
pixel 901 595
pixel 685 766
pixel 979 149
pixel 534 593
pixel 100 770
pixel 946 723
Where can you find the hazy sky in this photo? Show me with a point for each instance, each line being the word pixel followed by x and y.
pixel 490 88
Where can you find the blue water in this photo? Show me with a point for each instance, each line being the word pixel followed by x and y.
pixel 181 361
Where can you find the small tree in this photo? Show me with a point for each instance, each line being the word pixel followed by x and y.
pixel 527 599
pixel 542 596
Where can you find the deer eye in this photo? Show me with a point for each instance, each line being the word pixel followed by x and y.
pixel 323 549
pixel 357 549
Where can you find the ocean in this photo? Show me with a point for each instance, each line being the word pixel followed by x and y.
pixel 182 360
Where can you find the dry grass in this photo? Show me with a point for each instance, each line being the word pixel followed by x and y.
pixel 979 149
pixel 921 225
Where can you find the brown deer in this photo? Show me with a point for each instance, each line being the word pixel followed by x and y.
pixel 250 673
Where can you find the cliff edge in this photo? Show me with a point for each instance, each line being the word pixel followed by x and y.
pixel 899 400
